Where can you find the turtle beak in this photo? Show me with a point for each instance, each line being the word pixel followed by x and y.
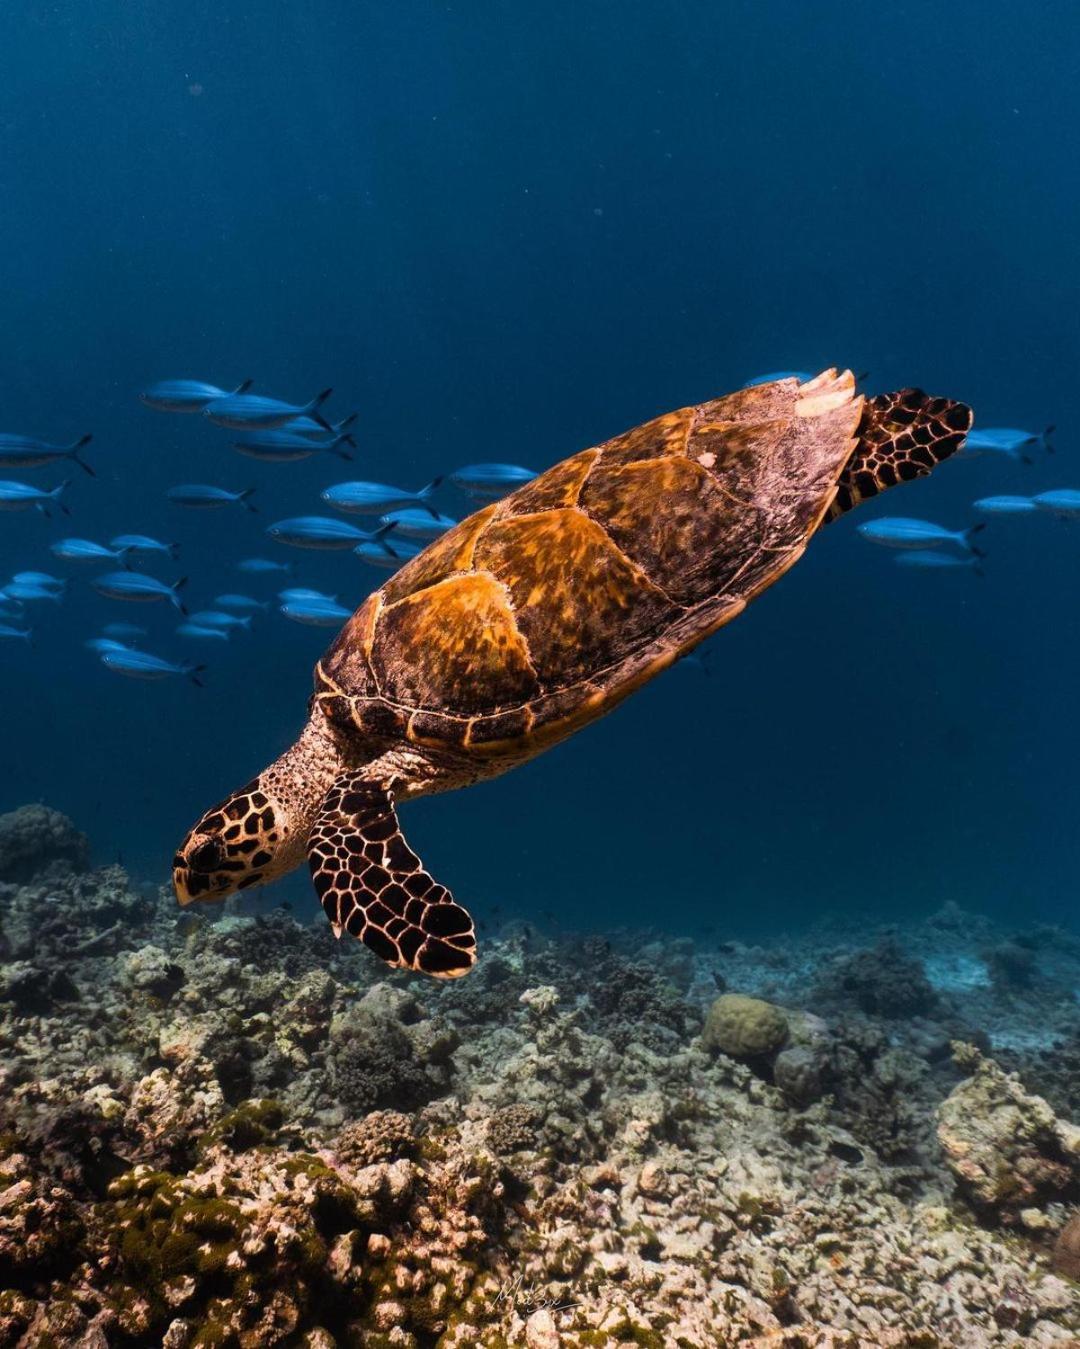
pixel 196 873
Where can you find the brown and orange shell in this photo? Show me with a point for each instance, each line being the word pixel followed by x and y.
pixel 540 612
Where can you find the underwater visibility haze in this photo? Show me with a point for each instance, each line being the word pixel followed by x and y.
pixel 747 964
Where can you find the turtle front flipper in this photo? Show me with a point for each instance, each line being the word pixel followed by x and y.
pixel 373 885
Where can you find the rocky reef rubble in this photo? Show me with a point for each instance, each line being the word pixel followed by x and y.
pixel 226 1130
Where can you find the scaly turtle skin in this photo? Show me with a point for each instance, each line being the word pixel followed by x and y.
pixel 536 615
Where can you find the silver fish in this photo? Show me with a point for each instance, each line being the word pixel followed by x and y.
pixel 28 452
pixel 490 481
pixel 20 496
pixel 416 523
pixel 899 531
pixel 199 496
pixel 201 633
pixel 374 498
pixel 85 550
pixel 142 665
pixel 240 603
pixel 321 532
pixel 211 618
pixel 186 395
pixel 131 585
pixel 250 411
pixel 286 446
pixel 316 614
pixel 142 543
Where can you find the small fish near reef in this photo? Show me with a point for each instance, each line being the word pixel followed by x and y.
pixel 1005 505
pixel 898 531
pixel 40 578
pixel 134 586
pixel 252 412
pixel 201 633
pixel 143 545
pixel 20 496
pixel 931 560
pixel 287 447
pixel 86 550
pixel 388 554
pixel 772 378
pixel 373 498
pixel 17 634
pixel 264 566
pixel 414 522
pixel 316 613
pixel 322 532
pixel 28 452
pixel 490 481
pixel 240 604
pixel 142 665
pixel 212 618
pixel 1062 501
pixel 1008 441
pixel 534 617
pixel 187 395
pixel 200 496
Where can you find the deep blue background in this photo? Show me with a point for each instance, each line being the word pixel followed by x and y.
pixel 509 231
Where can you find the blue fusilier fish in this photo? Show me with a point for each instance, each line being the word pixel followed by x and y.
pixel 1063 501
pixel 933 560
pixel 200 633
pixel 186 395
pixel 386 554
pixel 490 481
pixel 898 531
pixel 142 543
pixel 316 613
pixel 212 618
pixel 322 532
pixel 142 665
pixel 27 452
pixel 287 446
pixel 415 522
pixel 133 585
pixel 259 566
pixel 240 604
pixel 374 498
pixel 22 634
pixel 124 632
pixel 86 550
pixel 198 496
pixel 252 412
pixel 297 594
pixel 308 426
pixel 28 594
pixel 103 644
pixel 1006 505
pixel 801 375
pixel 20 496
pixel 1006 440
pixel 40 578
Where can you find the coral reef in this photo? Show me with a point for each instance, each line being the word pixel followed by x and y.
pixel 1007 1149
pixel 744 1028
pixel 233 1131
pixel 37 839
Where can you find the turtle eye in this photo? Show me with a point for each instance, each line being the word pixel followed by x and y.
pixel 207 856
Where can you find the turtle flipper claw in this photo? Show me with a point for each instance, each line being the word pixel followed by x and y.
pixel 372 885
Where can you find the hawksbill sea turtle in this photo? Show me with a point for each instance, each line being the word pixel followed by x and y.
pixel 535 616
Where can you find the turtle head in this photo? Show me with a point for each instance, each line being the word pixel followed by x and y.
pixel 259 832
pixel 248 839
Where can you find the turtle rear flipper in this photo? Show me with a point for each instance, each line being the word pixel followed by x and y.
pixel 374 886
pixel 902 435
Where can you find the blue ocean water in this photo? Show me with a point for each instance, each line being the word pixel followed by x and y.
pixel 509 232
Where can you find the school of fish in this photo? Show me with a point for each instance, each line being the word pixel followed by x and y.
pixel 402 521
